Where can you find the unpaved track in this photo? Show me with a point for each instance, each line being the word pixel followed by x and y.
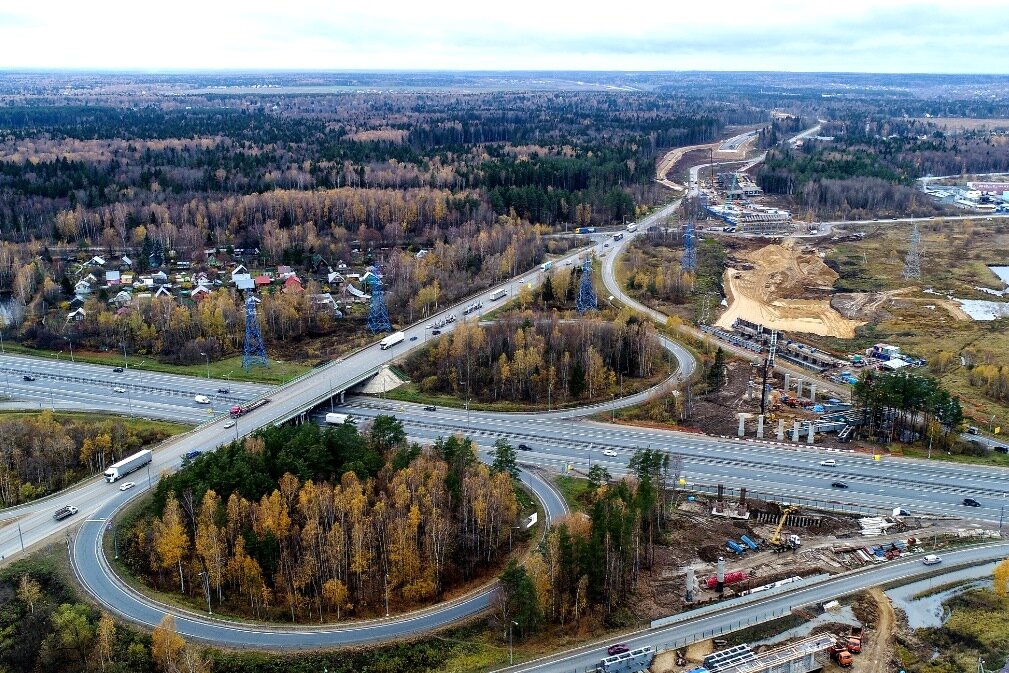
pixel 877 655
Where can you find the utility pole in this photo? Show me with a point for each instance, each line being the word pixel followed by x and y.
pixel 23 537
pixel 511 657
pixel 387 594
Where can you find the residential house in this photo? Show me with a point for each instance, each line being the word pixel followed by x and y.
pixel 83 287
pixel 238 271
pixel 126 262
pixel 284 271
pixel 245 282
pixel 77 315
pixel 292 284
pixel 113 278
pixel 76 302
pixel 95 261
pixel 263 280
pixel 159 278
pixel 122 298
pixel 200 292
pixel 212 261
pixel 334 277
pixel 366 278
pixel 126 278
pixel 163 291
pixel 324 300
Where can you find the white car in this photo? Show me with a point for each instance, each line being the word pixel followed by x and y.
pixel 201 399
pixel 609 452
pixel 229 423
pixel 830 462
pixel 931 559
pixel 119 389
pixel 127 486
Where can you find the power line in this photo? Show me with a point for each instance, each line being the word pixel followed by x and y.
pixel 912 263
pixel 255 350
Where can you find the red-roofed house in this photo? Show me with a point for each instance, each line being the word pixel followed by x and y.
pixel 263 281
pixel 292 284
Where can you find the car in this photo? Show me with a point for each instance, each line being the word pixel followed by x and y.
pixel 230 423
pixel 223 391
pixel 606 245
pixel 830 462
pixel 117 370
pixel 931 559
pixel 201 399
pixel 999 448
pixel 609 452
pixel 127 486
pixel 839 484
pixel 436 332
pixel 413 338
pixel 430 407
pixel 617 649
pixel 971 502
pixel 525 447
pixel 119 389
pixel 28 377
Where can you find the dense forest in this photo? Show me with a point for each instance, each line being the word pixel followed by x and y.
pixel 307 525
pixel 906 408
pixel 540 358
pixel 42 454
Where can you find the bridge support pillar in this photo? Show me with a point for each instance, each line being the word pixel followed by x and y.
pixel 720 575
pixel 690 585
pixel 795 431
pixel 342 394
pixel 812 392
pixel 798 388
pixel 760 426
pixel 788 381
pixel 781 429
pixel 809 440
pixel 742 425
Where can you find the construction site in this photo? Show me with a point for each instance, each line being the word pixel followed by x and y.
pixel 730 545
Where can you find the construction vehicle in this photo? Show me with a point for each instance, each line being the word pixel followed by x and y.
pixel 840 655
pixel 777 541
pixel 855 640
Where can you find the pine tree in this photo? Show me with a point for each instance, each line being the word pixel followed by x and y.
pixel 504 459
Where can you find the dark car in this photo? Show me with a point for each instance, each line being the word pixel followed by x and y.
pixel 117 370
pixel 617 649
pixel 971 502
pixel 436 332
pixel 998 448
pixel 430 407
pixel 839 484
pixel 413 338
pixel 223 391
pixel 28 377
pixel 525 447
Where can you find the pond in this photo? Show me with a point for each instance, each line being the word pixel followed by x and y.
pixel 929 610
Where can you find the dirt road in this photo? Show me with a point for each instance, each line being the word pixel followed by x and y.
pixel 876 650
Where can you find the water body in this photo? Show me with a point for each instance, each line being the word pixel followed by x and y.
pixel 930 611
pixel 983 309
pixel 844 615
pixel 1002 272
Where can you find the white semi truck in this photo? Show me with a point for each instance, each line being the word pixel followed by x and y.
pixel 391 340
pixel 337 419
pixel 129 464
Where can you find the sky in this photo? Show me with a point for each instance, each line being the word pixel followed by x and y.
pixel 936 36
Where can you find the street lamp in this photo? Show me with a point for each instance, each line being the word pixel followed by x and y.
pixel 511 657
pixel 206 586
pixel 208 364
pixel 387 594
pixel 126 360
pixel 991 423
pixel 71 342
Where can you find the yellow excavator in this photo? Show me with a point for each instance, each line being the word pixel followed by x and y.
pixel 790 542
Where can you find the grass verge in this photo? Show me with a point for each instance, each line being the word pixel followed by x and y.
pixel 572 488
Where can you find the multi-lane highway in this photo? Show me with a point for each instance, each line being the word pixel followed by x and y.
pixel 777 471
pixel 62 384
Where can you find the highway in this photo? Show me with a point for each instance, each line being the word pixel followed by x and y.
pixel 691 627
pixel 779 472
pixel 62 384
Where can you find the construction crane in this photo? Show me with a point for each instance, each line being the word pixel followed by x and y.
pixel 792 541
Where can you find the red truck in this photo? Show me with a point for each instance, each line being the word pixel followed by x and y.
pixel 240 409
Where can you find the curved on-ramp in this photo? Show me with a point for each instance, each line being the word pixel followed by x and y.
pixel 95 574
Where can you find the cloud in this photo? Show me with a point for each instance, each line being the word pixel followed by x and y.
pixel 860 35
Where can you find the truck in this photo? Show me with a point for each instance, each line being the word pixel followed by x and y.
pixel 64 512
pixel 546 266
pixel 498 294
pixel 129 464
pixel 240 409
pixel 841 656
pixel 391 340
pixel 855 639
pixel 632 227
pixel 337 419
pixel 617 236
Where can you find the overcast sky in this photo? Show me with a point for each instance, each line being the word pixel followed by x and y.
pixel 969 36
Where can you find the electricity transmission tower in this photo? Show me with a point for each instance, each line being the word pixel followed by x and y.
pixel 255 350
pixel 912 263
pixel 586 292
pixel 378 316
pixel 689 261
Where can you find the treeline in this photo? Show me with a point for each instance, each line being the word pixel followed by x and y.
pixel 534 357
pixel 589 566
pixel 905 408
pixel 43 453
pixel 370 519
pixel 667 281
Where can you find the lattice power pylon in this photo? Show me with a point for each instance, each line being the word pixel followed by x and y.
pixel 255 350
pixel 586 292
pixel 378 316
pixel 912 263
pixel 689 261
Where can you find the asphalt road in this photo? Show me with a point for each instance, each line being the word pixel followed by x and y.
pixel 755 609
pixel 779 472
pixel 62 384
pixel 93 571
